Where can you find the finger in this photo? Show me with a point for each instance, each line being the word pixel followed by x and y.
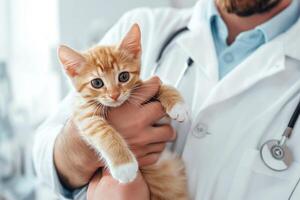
pixel 93 184
pixel 142 151
pixel 149 159
pixel 155 148
pixel 110 188
pixel 146 91
pixel 105 172
pixel 152 112
pixel 164 133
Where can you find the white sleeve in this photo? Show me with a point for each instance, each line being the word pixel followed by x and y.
pixel 49 130
pixel 44 143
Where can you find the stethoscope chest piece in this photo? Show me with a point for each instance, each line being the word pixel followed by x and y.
pixel 276 155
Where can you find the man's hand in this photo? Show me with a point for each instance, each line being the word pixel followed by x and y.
pixel 76 162
pixel 104 187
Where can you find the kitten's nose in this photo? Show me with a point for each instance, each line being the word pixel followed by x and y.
pixel 114 95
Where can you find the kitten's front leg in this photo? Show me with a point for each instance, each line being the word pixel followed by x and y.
pixel 111 147
pixel 173 103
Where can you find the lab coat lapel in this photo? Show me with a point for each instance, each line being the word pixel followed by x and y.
pixel 292 42
pixel 199 45
pixel 266 61
pixel 251 71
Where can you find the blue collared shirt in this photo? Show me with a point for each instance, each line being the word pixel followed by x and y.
pixel 247 42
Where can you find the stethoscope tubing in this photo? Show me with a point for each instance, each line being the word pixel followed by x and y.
pixel 169 41
pixel 164 47
pixel 187 65
pixel 294 117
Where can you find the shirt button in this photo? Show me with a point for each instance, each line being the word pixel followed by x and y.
pixel 228 57
pixel 200 131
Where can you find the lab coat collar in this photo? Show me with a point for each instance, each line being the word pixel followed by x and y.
pixel 199 15
pixel 198 42
pixel 291 42
pixel 247 74
pixel 200 47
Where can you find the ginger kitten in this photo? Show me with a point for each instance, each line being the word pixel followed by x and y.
pixel 105 76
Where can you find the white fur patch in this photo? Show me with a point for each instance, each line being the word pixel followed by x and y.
pixel 125 173
pixel 179 112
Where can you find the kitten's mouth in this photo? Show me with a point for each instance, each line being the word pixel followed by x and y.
pixel 114 103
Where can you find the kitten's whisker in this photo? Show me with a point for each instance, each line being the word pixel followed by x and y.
pixel 97 108
pixel 103 111
pixel 105 114
pixel 144 86
pixel 138 98
pixel 136 92
pixel 134 103
pixel 143 98
pixel 94 113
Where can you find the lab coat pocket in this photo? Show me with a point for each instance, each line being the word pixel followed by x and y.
pixel 254 181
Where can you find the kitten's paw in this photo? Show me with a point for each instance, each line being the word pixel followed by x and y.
pixel 125 173
pixel 179 112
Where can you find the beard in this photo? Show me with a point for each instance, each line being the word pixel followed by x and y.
pixel 246 8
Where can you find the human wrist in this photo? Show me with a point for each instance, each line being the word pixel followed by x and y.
pixel 73 160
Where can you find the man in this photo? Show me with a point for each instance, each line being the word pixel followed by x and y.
pixel 242 88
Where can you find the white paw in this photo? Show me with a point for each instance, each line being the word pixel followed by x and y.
pixel 125 173
pixel 179 112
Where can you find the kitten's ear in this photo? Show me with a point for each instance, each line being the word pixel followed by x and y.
pixel 132 41
pixel 71 60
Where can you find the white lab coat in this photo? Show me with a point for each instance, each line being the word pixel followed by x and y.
pixel 231 118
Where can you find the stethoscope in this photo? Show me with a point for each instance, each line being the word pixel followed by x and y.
pixel 166 44
pixel 275 154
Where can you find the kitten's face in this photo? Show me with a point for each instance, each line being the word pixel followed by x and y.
pixel 106 75
pixel 110 76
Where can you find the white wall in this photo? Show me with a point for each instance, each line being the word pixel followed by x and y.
pixel 3 30
pixel 183 3
pixel 33 32
pixel 81 20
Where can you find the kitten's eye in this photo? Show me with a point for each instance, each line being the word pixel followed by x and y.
pixel 124 77
pixel 97 83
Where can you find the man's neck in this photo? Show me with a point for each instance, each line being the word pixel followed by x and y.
pixel 237 24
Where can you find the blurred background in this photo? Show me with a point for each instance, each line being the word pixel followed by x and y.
pixel 31 83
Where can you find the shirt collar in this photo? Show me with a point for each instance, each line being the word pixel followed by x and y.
pixel 281 22
pixel 216 21
pixel 270 29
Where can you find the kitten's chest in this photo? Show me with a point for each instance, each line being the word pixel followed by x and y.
pixel 84 111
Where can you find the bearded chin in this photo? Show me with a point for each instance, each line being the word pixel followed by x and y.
pixel 246 8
